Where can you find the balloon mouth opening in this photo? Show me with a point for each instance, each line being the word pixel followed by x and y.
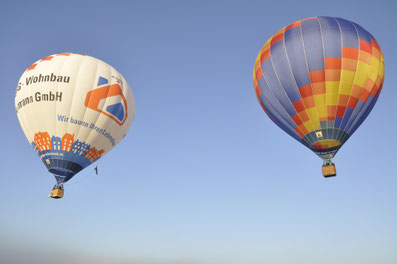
pixel 62 172
pixel 62 175
pixel 326 154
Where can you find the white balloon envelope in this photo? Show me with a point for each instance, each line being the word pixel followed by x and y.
pixel 73 109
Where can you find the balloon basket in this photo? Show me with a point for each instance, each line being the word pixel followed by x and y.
pixel 57 192
pixel 329 170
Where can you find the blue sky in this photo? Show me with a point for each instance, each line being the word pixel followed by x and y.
pixel 203 175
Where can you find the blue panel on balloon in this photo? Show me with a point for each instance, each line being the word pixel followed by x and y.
pixel 331 37
pixel 102 81
pixel 363 34
pixel 349 33
pixel 313 44
pixel 296 56
pixel 117 110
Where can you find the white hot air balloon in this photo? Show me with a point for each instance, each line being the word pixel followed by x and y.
pixel 73 109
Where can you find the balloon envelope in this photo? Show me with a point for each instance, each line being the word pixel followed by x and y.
pixel 318 79
pixel 73 109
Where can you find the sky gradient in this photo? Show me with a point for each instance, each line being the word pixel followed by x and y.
pixel 203 176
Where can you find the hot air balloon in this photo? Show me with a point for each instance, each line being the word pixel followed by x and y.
pixel 318 79
pixel 73 109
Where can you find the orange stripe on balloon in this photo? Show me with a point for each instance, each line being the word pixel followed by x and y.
pixel 299 105
pixel 340 111
pixel 332 75
pixel 364 95
pixel 350 53
pixel 308 18
pixel 47 58
pixel 317 76
pixel 306 91
pixel 356 90
pixel 277 38
pixel 258 91
pixel 258 73
pixel 352 102
pixel 303 115
pixel 295 24
pixel 332 63
pixel 32 67
pixel 319 88
pixel 349 64
pixel 304 129
pixel 265 55
pixel 309 102
pixel 296 118
pixel 342 99
pixel 331 110
pixel 365 46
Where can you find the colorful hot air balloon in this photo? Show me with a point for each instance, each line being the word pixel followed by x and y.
pixel 318 79
pixel 73 109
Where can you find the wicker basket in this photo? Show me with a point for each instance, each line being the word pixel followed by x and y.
pixel 329 170
pixel 56 193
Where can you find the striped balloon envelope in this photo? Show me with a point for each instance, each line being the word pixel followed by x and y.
pixel 318 79
pixel 73 109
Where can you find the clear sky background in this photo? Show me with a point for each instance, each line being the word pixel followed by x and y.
pixel 203 176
